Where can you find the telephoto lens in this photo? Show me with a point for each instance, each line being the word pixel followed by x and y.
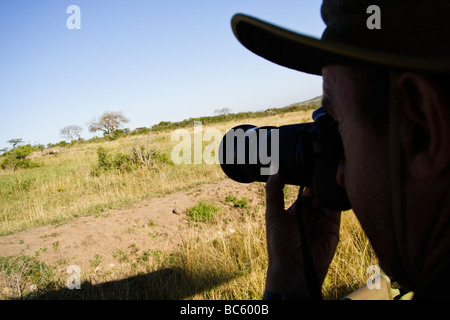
pixel 307 154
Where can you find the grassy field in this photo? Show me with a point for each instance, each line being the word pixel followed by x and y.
pixel 77 183
pixel 63 186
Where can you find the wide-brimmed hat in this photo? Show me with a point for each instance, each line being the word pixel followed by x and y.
pixel 410 35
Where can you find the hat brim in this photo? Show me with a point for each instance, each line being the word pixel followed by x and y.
pixel 307 54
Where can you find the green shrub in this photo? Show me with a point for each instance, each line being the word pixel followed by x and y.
pixel 16 158
pixel 118 133
pixel 160 157
pixel 149 158
pixel 107 162
pixel 103 159
pixel 139 157
pixel 21 273
pixel 141 130
pixel 242 203
pixel 62 144
pixel 203 212
pixel 230 198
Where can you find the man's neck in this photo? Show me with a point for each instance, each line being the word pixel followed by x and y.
pixel 428 227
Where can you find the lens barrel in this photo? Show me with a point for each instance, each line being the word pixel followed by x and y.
pixel 243 147
pixel 307 154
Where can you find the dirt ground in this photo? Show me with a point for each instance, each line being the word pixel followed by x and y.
pixel 156 224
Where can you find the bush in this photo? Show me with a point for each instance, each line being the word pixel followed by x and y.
pixel 16 158
pixel 203 212
pixel 121 162
pixel 242 203
pixel 62 144
pixel 161 158
pixel 149 158
pixel 141 130
pixel 107 162
pixel 119 133
pixel 22 273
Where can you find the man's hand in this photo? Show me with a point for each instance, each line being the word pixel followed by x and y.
pixel 286 271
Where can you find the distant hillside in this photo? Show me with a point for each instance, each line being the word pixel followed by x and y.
pixel 299 106
pixel 317 101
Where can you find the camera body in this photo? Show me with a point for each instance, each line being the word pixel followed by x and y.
pixel 307 154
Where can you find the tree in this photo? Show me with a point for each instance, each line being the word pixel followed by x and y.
pixel 223 111
pixel 15 142
pixel 108 123
pixel 71 132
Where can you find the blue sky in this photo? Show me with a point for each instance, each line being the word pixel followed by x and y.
pixel 164 60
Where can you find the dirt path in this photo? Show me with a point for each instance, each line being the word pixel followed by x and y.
pixel 155 224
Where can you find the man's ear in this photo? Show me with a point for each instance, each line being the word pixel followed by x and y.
pixel 425 126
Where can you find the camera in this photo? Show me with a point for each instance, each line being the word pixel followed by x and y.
pixel 307 154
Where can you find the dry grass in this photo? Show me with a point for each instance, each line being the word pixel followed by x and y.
pixel 226 265
pixel 217 265
pixel 354 254
pixel 62 188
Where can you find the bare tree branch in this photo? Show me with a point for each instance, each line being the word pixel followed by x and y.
pixel 71 132
pixel 108 122
pixel 223 111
